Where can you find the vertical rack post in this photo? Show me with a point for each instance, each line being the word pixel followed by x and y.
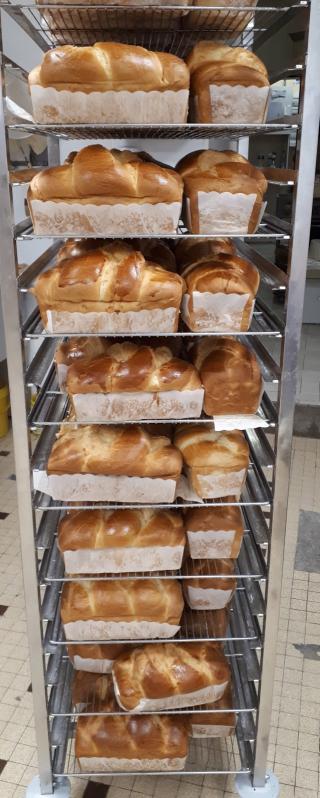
pixel 10 307
pixel 290 351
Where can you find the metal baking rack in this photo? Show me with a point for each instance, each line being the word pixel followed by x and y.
pixel 249 632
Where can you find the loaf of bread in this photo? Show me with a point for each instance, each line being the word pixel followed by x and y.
pixel 216 463
pixel 203 593
pixel 71 350
pixel 190 252
pixel 214 532
pixel 224 192
pixel 230 374
pixel 229 84
pixel 154 250
pixel 170 676
pixel 112 289
pixel 220 294
pixel 136 382
pixel 125 609
pixel 121 742
pixel 95 658
pixel 113 192
pixel 92 692
pixel 115 541
pixel 220 722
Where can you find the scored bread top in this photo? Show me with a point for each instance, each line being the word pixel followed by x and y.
pixel 110 66
pixel 121 737
pixel 101 529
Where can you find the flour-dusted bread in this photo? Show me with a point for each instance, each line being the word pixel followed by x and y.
pixel 170 676
pixel 190 252
pixel 223 191
pixel 110 463
pixel 132 382
pixel 109 82
pixel 220 294
pixel 220 722
pixel 107 192
pixel 216 463
pixel 112 289
pixel 229 84
pixel 230 374
pixel 144 742
pixel 95 658
pixel 214 532
pixel 126 609
pixel 92 692
pixel 204 593
pixel 115 541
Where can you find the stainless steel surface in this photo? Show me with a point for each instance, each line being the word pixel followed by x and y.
pixel 290 350
pixel 165 131
pixel 10 309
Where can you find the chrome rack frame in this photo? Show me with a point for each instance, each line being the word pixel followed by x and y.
pixel 249 632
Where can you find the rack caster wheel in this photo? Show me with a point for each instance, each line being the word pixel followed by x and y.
pixel 61 789
pixel 245 788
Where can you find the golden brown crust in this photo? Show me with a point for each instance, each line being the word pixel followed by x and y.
pixel 103 529
pixel 208 451
pixel 212 62
pixel 128 367
pixel 191 251
pixel 230 374
pixel 137 737
pixel 222 568
pixel 214 519
pixel 115 278
pixel 168 669
pixel 74 349
pixel 110 66
pixel 124 600
pixel 127 450
pixel 102 176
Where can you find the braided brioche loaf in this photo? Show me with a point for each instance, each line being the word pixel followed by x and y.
pixel 121 609
pixel 146 742
pixel 170 675
pixel 230 374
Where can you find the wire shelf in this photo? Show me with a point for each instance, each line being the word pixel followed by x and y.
pixel 220 756
pixel 265 233
pixel 165 131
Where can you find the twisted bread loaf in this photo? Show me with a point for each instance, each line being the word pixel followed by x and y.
pixel 191 252
pixel 95 658
pixel 159 671
pixel 214 532
pixel 123 600
pixel 100 176
pixel 142 742
pixel 103 529
pixel 154 250
pixel 230 374
pixel 130 451
pixel 115 278
pixel 129 367
pixel 208 451
pixel 94 692
pixel 214 62
pixel 110 66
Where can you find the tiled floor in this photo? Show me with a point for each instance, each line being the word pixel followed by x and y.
pixel 294 741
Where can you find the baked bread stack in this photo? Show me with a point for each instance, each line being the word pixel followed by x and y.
pixel 170 676
pixel 107 192
pixel 230 375
pixel 220 294
pixel 102 463
pixel 95 658
pixel 219 723
pixel 115 541
pixel 229 85
pixel 108 83
pixel 214 532
pixel 215 463
pixel 112 289
pixel 224 192
pixel 126 609
pixel 123 742
pixel 136 382
pixel 203 593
